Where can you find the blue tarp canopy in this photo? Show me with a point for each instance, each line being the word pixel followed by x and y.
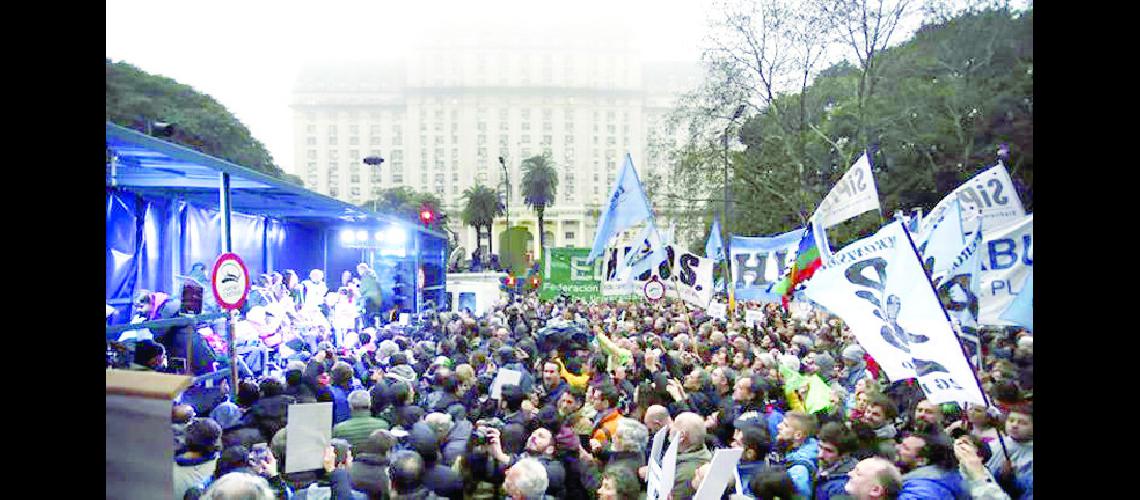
pixel 164 213
pixel 153 167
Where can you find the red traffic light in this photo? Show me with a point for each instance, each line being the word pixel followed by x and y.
pixel 426 216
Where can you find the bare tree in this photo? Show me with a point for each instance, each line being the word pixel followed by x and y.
pixel 866 27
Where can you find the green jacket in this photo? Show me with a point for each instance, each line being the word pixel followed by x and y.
pixel 356 430
pixel 687 465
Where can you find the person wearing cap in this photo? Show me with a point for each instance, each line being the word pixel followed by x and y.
pixel 751 435
pixel 855 367
pixel 437 477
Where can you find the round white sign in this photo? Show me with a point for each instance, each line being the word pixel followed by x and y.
pixel 230 281
pixel 654 290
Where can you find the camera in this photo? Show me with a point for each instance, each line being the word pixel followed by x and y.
pixel 479 437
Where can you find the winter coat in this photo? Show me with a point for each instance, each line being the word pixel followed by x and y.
pixel 357 429
pixel 687 465
pixel 370 474
pixel 192 472
pixel 833 479
pixel 456 441
pixel 801 467
pixel 932 482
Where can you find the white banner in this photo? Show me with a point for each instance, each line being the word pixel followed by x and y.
pixel 722 469
pixel 684 274
pixel 877 285
pixel 989 194
pixel 1007 260
pixel 854 194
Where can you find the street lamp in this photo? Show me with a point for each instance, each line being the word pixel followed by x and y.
pixel 727 240
pixel 507 197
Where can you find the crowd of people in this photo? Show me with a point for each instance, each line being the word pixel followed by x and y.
pixel 414 414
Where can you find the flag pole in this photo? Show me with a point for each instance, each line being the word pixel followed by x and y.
pixel 962 348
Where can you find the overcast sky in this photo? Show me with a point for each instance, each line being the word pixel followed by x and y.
pixel 246 54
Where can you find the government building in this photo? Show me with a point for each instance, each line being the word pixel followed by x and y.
pixel 466 96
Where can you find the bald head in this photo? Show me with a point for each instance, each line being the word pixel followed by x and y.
pixel 874 478
pixel 656 417
pixel 692 428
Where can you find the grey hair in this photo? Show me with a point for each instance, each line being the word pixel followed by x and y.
pixel 359 400
pixel 239 486
pixel 634 434
pixel 530 478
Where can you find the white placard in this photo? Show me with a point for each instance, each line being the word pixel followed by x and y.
pixel 307 435
pixel 505 376
pixel 754 318
pixel 722 469
pixel 655 463
pixel 660 478
pixel 718 310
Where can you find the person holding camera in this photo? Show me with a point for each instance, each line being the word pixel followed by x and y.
pixel 336 482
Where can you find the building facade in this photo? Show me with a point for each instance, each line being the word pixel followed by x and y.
pixel 442 118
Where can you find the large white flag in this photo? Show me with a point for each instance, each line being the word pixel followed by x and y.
pixel 990 195
pixel 627 206
pixel 877 285
pixel 958 291
pixel 854 194
pixel 1007 260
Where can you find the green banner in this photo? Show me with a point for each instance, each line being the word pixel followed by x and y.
pixel 566 272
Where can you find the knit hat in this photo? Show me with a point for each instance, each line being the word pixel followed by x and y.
pixel 403 373
pixel 825 362
pixel 853 354
pixel 226 414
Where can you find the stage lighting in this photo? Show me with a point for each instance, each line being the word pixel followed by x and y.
pixel 362 235
pixel 396 236
pixel 379 236
pixel 346 236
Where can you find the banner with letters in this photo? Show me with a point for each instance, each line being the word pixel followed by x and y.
pixel 1007 260
pixel 990 195
pixel 760 262
pixel 877 285
pixel 568 271
pixel 684 274
pixel 854 194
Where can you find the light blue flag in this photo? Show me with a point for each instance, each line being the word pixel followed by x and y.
pixel 627 206
pixel 714 248
pixel 942 242
pixel 1020 311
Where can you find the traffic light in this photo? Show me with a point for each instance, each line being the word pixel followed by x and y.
pixel 427 215
pixel 535 281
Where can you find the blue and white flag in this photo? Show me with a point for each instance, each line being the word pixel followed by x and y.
pixel 627 206
pixel 645 252
pixel 1007 260
pixel 942 242
pixel 714 247
pixel 1020 311
pixel 760 262
pixel 990 195
pixel 877 285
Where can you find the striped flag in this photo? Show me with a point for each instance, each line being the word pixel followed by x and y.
pixel 807 261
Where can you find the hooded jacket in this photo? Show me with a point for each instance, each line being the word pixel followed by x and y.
pixel 833 479
pixel 797 462
pixel 456 441
pixel 932 482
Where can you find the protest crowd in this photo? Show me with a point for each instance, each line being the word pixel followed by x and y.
pixel 565 399
pixel 876 371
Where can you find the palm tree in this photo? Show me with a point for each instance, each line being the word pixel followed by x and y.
pixel 539 185
pixel 482 206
